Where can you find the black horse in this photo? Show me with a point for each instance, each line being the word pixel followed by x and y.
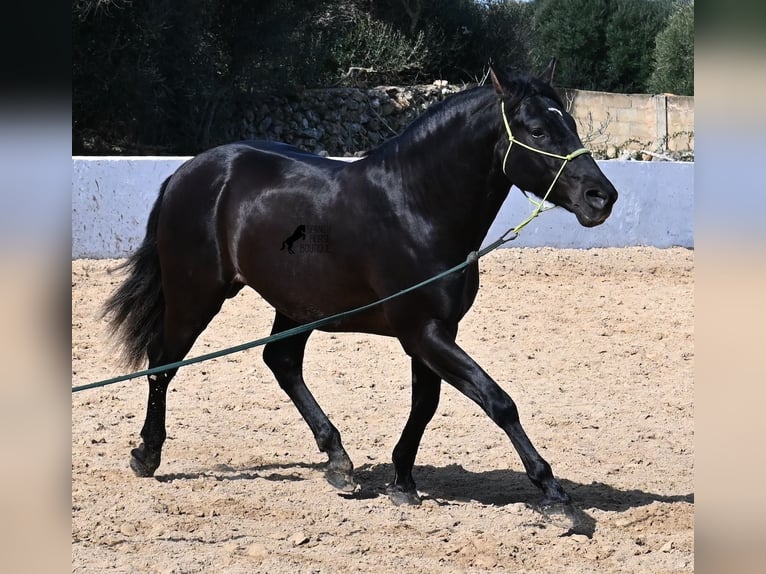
pixel 411 208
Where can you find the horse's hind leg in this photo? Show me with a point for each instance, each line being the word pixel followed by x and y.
pixel 426 386
pixel 184 320
pixel 285 359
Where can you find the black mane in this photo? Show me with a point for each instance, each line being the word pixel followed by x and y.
pixel 524 86
pixel 469 101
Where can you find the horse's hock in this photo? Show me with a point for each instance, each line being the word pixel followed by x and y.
pixel 346 121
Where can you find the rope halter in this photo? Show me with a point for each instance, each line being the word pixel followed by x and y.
pixel 539 206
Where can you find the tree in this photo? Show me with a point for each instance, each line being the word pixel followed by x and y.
pixel 504 34
pixel 630 37
pixel 674 54
pixel 461 36
pixel 383 53
pixel 153 75
pixel 574 31
pixel 602 45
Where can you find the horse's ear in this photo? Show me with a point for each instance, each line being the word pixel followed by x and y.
pixel 507 86
pixel 547 75
pixel 496 82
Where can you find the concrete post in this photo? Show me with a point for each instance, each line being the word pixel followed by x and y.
pixel 661 114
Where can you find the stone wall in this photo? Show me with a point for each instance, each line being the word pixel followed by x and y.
pixel 348 121
pixel 337 121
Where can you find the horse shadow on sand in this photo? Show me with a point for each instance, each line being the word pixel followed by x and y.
pixel 452 484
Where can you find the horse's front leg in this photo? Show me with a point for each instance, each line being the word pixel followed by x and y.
pixel 434 345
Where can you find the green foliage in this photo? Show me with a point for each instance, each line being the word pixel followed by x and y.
pixel 574 31
pixel 630 38
pixel 156 76
pixel 462 35
pixel 165 76
pixel 604 45
pixel 674 54
pixel 376 49
pixel 503 33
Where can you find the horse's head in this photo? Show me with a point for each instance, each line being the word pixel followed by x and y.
pixel 540 138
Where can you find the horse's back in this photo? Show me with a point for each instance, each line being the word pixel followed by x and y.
pixel 249 167
pixel 292 152
pixel 270 216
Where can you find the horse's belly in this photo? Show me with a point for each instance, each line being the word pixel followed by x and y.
pixel 308 286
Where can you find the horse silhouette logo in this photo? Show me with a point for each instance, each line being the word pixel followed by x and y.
pixel 299 233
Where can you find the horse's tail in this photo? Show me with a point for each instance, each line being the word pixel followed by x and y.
pixel 136 309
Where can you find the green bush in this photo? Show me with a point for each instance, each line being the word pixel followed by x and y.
pixel 377 50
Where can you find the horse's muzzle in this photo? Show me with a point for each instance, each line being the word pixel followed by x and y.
pixel 596 205
pixel 598 198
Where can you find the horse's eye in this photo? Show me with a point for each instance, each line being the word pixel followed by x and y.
pixel 537 133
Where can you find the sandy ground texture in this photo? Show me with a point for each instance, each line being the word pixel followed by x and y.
pixel 595 346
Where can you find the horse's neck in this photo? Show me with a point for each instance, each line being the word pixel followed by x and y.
pixel 455 174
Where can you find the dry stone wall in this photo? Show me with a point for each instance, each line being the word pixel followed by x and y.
pixel 349 121
pixel 337 121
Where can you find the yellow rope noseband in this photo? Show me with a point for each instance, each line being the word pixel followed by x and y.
pixel 539 207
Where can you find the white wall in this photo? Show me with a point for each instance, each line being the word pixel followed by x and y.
pixel 655 207
pixel 111 199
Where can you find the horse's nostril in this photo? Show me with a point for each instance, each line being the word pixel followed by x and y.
pixel 597 198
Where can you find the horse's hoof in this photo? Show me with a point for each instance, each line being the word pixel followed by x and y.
pixel 562 514
pixel 343 481
pixel 141 467
pixel 401 497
